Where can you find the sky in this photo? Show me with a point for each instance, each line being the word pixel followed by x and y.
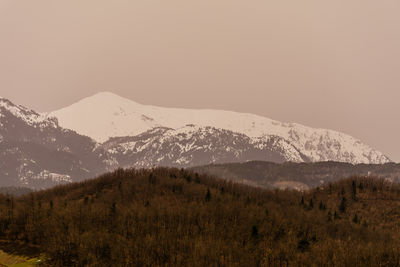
pixel 325 64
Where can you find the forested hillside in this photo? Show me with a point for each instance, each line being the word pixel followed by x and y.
pixel 171 217
pixel 299 176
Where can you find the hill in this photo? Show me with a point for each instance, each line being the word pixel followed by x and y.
pixel 299 176
pixel 176 217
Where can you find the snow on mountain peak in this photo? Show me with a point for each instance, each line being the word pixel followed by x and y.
pixel 29 116
pixel 108 97
pixel 105 115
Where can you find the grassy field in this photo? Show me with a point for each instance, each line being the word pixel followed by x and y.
pixel 18 254
pixel 16 261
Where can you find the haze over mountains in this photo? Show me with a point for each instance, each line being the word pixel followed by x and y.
pixel 105 131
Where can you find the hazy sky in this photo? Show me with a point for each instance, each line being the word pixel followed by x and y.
pixel 329 64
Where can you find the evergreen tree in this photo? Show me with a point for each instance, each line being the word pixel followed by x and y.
pixel 311 204
pixel 152 179
pixel 354 190
pixel 343 204
pixel 355 219
pixel 208 195
pixel 336 216
pixel 343 192
pixel 360 186
pixel 254 232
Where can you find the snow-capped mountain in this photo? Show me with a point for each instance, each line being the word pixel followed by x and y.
pixel 106 115
pixel 195 145
pixel 35 152
pixel 104 132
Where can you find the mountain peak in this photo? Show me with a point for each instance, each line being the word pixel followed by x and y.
pixel 106 95
pixel 108 102
pixel 109 98
pixel 104 115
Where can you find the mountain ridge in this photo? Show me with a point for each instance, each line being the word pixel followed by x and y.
pixel 193 145
pixel 107 115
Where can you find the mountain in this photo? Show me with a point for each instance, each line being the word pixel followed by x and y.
pixel 194 145
pixel 299 176
pixel 107 131
pixel 106 115
pixel 36 152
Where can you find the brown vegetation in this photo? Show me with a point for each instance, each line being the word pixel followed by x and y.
pixel 171 217
pixel 294 175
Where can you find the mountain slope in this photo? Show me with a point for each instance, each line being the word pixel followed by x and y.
pixel 35 152
pixel 107 115
pixel 193 145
